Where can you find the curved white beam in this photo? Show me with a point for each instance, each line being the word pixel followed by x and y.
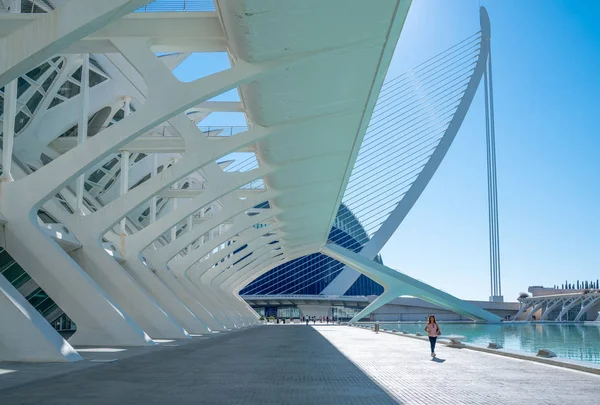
pixel 396 284
pixel 30 45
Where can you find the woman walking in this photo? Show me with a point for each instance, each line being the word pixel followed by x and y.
pixel 433 331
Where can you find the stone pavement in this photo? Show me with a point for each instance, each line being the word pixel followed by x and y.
pixel 296 364
pixel 404 368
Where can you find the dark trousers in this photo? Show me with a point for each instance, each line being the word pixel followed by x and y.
pixel 432 340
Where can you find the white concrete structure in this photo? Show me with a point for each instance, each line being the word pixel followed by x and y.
pixel 345 307
pixel 165 221
pixel 555 307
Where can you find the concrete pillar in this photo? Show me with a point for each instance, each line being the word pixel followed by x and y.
pixel 190 301
pixel 190 225
pixel 153 200
pixel 124 185
pixel 82 128
pixel 126 292
pixel 100 321
pixel 125 166
pixel 174 228
pixel 10 112
pixel 165 297
pixel 26 335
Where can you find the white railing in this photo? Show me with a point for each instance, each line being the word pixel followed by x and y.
pixel 165 6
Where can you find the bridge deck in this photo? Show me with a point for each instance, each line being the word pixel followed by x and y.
pixel 296 364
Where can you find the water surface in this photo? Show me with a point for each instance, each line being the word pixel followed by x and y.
pixel 569 341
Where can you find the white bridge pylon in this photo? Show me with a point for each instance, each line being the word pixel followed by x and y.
pixel 305 125
pixel 432 100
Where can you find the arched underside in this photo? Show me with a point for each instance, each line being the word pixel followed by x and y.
pixel 165 221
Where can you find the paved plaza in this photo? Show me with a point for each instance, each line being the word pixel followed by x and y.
pixel 295 364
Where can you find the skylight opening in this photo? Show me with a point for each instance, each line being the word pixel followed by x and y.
pixel 202 64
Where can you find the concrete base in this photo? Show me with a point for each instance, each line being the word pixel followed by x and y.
pixel 26 336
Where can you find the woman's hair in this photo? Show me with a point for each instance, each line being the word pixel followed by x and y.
pixel 429 319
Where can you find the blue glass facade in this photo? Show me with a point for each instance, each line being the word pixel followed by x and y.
pixel 309 275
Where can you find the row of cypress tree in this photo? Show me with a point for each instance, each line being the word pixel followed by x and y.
pixel 579 285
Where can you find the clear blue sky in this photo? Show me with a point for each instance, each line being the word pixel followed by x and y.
pixel 547 94
pixel 546 63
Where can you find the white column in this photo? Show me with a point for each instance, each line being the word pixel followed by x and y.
pixel 190 224
pixel 28 336
pixel 124 182
pixel 153 201
pixel 10 112
pixel 174 229
pixel 125 166
pixel 82 131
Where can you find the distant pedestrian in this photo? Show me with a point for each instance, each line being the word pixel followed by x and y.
pixel 314 320
pixel 433 331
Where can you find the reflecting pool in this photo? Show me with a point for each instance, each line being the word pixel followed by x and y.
pixel 569 341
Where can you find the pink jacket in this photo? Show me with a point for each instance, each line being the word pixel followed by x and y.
pixel 432 329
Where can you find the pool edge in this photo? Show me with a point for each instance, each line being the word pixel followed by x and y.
pixel 564 363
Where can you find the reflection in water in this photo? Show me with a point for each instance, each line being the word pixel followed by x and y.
pixel 570 341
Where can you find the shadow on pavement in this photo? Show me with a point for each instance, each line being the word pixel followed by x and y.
pixel 264 365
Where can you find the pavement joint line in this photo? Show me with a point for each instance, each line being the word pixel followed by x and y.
pixel 562 363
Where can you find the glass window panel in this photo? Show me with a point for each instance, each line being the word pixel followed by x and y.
pixel 111 164
pixel 21 279
pixel 12 271
pixel 95 63
pixel 45 159
pixel 55 102
pixel 66 206
pixel 110 183
pixel 68 89
pixel 21 121
pixel 71 132
pixel 37 298
pixel 22 86
pixel 47 307
pixel 47 219
pixel 46 85
pixel 96 176
pixel 119 115
pixel 34 101
pixel 95 78
pixel 38 72
pixel 5 260
pixel 77 74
